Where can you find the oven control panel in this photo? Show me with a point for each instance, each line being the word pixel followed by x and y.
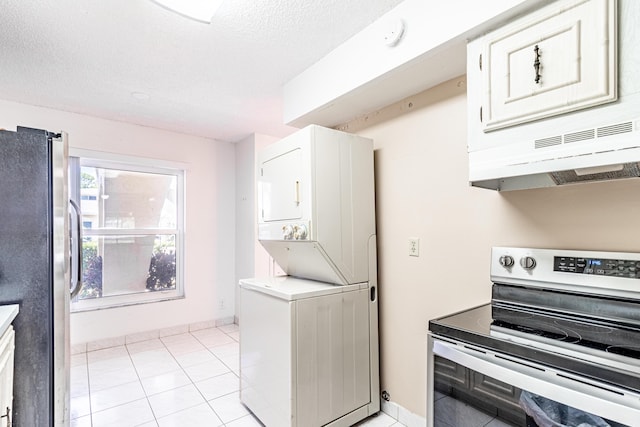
pixel 603 273
pixel 597 266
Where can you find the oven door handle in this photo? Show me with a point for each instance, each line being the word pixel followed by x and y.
pixel 582 393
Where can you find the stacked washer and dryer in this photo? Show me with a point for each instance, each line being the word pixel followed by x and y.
pixel 309 340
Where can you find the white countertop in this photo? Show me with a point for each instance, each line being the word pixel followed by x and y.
pixel 7 314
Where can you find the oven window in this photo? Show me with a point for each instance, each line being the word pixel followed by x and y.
pixel 466 398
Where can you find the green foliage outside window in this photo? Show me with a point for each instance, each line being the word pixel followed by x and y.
pixel 91 271
pixel 162 270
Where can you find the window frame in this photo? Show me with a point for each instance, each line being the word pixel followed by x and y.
pixel 106 160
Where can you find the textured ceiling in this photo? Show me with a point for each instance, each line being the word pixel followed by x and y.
pixel 222 80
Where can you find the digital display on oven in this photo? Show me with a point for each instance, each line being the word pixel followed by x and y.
pixel 599 266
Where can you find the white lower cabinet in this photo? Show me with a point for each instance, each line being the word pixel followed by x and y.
pixel 7 346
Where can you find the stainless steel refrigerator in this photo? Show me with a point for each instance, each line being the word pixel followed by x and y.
pixel 35 271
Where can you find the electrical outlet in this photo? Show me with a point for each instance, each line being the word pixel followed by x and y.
pixel 221 303
pixel 414 246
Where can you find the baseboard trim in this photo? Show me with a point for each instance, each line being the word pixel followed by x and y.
pixel 148 335
pixel 401 414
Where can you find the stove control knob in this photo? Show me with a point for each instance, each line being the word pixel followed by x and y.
pixel 287 232
pixel 528 263
pixel 300 232
pixel 506 261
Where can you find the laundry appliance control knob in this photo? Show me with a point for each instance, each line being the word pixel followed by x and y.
pixel 287 232
pixel 299 232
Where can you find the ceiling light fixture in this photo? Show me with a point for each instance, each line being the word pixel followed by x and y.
pixel 199 10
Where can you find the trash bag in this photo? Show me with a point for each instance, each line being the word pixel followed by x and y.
pixel 549 413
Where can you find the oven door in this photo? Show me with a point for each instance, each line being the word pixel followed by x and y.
pixel 470 386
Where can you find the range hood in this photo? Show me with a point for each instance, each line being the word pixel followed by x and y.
pixel 515 143
pixel 596 154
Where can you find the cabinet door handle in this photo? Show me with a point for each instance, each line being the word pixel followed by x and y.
pixel 7 416
pixel 536 63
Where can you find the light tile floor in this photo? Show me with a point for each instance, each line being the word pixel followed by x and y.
pixel 190 379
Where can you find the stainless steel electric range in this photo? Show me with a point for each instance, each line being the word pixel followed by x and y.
pixel 559 345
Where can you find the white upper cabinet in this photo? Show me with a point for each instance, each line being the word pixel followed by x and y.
pixel 558 59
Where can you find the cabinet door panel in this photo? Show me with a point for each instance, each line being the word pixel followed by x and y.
pixel 504 397
pixel 449 374
pixel 560 59
pixel 495 389
pixel 7 347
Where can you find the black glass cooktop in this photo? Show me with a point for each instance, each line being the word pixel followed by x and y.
pixel 596 322
pixel 607 337
pixel 555 342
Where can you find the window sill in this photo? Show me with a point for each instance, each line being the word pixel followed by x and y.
pixel 123 301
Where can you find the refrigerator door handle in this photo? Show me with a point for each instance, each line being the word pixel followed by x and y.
pixel 76 251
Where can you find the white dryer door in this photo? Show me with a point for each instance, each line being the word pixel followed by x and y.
pixel 280 187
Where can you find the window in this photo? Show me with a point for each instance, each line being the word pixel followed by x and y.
pixel 132 218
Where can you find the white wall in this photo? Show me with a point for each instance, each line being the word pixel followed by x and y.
pixel 365 73
pixel 210 217
pixel 422 191
pixel 252 260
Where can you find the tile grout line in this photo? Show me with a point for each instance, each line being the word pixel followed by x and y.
pixel 199 391
pixel 86 361
pixel 192 382
pixel 146 396
pixel 230 370
pixel 182 369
